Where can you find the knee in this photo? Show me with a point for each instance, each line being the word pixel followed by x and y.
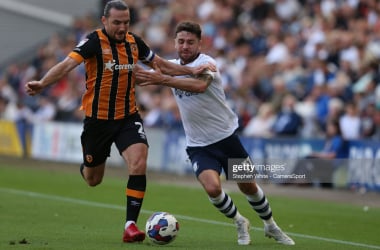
pixel 248 188
pixel 93 181
pixel 213 190
pixel 93 175
pixel 138 166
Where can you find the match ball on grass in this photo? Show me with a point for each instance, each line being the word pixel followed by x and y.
pixel 161 228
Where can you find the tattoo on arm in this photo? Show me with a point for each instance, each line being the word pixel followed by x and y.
pixel 205 77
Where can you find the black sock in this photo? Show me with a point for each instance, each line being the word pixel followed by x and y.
pixel 135 192
pixel 81 169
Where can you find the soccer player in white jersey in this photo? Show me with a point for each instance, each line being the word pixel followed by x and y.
pixel 210 126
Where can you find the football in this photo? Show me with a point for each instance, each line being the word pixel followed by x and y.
pixel 161 228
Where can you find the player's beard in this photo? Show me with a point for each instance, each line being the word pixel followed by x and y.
pixel 120 36
pixel 187 57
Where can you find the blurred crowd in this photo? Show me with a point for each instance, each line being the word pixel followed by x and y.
pixel 289 66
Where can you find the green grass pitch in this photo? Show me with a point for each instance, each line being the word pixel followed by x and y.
pixel 45 209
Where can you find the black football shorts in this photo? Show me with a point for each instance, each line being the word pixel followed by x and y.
pixel 98 136
pixel 215 156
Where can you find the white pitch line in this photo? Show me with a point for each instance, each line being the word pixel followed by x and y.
pixel 184 217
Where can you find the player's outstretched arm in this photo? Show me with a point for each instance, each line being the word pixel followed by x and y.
pixel 52 76
pixel 198 84
pixel 173 69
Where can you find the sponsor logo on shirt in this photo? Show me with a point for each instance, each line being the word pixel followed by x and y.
pixel 181 93
pixel 111 66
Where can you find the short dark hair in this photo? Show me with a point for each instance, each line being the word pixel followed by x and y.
pixel 114 4
pixel 191 27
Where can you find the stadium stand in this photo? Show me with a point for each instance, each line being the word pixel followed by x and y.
pixel 30 23
pixel 323 53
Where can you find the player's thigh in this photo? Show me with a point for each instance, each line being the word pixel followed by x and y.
pixel 231 148
pixel 210 180
pixel 96 139
pixel 203 158
pixel 132 143
pixel 207 168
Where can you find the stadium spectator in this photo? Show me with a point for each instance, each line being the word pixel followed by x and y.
pixel 319 166
pixel 335 146
pixel 46 111
pixel 288 122
pixel 335 110
pixel 279 92
pixel 376 121
pixel 154 116
pixel 109 103
pixel 307 111
pixel 261 124
pixel 210 127
pixel 350 122
pixel 367 123
pixel 321 100
pixel 68 99
pixel 7 91
pixel 5 109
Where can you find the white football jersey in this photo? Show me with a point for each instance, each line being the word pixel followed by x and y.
pixel 206 116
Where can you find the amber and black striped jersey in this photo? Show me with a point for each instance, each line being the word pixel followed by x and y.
pixel 110 84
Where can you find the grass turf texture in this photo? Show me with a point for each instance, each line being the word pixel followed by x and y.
pixel 52 209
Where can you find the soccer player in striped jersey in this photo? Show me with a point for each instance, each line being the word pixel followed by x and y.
pixel 210 126
pixel 109 104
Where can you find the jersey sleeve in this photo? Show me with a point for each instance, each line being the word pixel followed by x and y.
pixel 146 55
pixel 208 60
pixel 86 48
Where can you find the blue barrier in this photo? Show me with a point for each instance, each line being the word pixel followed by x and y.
pixel 361 168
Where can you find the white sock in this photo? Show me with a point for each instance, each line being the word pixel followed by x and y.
pixel 218 199
pixel 257 196
pixel 270 222
pixel 128 223
pixel 237 216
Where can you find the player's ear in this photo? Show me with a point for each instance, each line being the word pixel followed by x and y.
pixel 175 44
pixel 104 19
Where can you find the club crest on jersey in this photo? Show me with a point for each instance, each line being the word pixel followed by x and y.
pixel 133 47
pixel 111 66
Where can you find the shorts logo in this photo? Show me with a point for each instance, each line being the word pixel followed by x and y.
pixel 89 158
pixel 195 166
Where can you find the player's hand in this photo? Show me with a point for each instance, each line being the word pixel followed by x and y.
pixel 204 67
pixel 151 77
pixel 33 87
